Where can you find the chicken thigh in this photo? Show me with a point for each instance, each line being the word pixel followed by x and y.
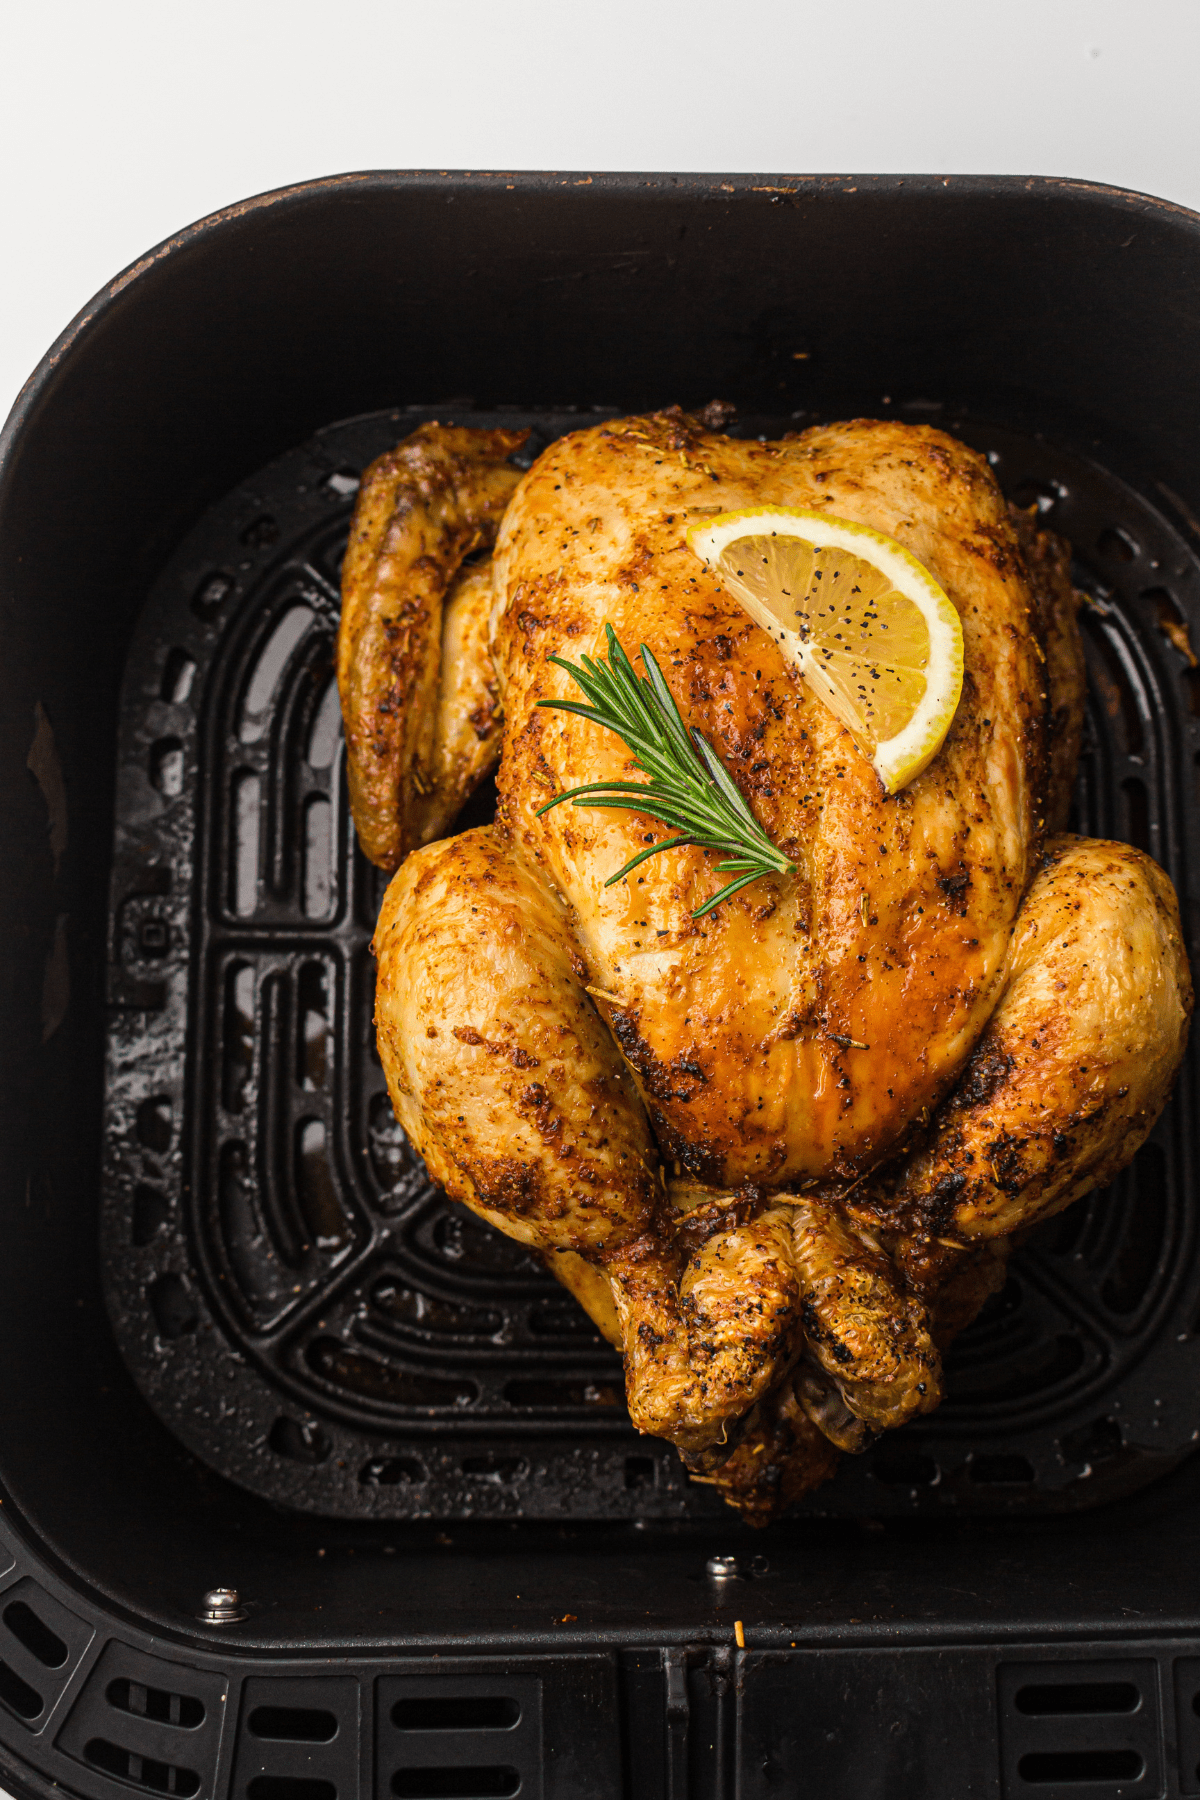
pixel 777 1151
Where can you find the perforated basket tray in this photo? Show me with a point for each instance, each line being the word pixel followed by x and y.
pixel 297 1301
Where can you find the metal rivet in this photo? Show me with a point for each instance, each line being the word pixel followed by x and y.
pixel 723 1568
pixel 221 1606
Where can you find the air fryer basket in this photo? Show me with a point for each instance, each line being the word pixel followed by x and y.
pixel 294 1297
pixel 508 1592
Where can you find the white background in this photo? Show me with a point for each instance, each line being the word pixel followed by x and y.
pixel 123 120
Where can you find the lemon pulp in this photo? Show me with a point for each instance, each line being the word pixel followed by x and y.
pixel 863 621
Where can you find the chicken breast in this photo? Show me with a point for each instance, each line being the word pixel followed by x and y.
pixel 745 1033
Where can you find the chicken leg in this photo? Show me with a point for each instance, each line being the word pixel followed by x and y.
pixel 511 1088
pixel 1072 1072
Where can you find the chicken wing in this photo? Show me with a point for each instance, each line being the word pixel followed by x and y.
pixel 421 509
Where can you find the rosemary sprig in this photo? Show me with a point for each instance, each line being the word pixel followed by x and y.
pixel 689 787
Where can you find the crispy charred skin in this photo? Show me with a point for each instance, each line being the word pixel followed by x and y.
pixel 869 1338
pixel 421 509
pixel 1073 1071
pixel 780 1457
pixel 790 1441
pixel 947 1024
pixel 706 1333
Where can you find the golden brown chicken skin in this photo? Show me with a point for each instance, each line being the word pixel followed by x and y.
pixel 415 678
pixel 893 933
pixel 778 1151
pixel 1072 1071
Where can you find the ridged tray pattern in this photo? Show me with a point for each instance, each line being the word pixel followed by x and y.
pixel 293 1296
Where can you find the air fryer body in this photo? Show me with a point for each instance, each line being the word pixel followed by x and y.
pixel 935 1656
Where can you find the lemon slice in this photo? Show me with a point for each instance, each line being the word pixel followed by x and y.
pixel 863 621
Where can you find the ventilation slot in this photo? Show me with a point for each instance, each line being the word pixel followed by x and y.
pixel 1187 1721
pixel 305 1443
pixel 151 1210
pixel 498 1469
pixel 1145 1229
pixel 393 1163
pixel 1045 495
pixel 252 1259
pixel 294 1724
pixel 1063 1234
pixel 550 1318
pixel 1112 683
pixel 155 1703
pixel 133 1721
pixel 354 1373
pixel 299 1739
pixel 174 1309
pixel 1171 622
pixel 469 1245
pixel 237 1037
pixel 1030 1370
pixel 273 660
pixel 312 1050
pixel 1042 1767
pixel 334 555
pixel 141 1771
pixel 290 1787
pixel 179 672
pixel 1116 545
pixel 343 483
pixel 326 732
pixel 1092 1444
pixel 36 1636
pixel 211 595
pixel 455 1784
pixel 1064 1725
pixel 412 1307
pixel 456 1736
pixel 261 532
pixel 390 1471
pixel 1001 1471
pixel 153 1125
pixel 18 1694
pixel 1061 1697
pixel 40 1646
pixel 318 1195
pixel 1137 813
pixel 457 1712
pixel 318 857
pixel 561 1393
pixel 899 1466
pixel 246 800
pixel 166 767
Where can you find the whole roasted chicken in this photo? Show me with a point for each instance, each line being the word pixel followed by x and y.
pixel 779 1151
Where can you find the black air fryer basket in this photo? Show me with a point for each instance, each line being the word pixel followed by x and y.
pixel 244 1344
